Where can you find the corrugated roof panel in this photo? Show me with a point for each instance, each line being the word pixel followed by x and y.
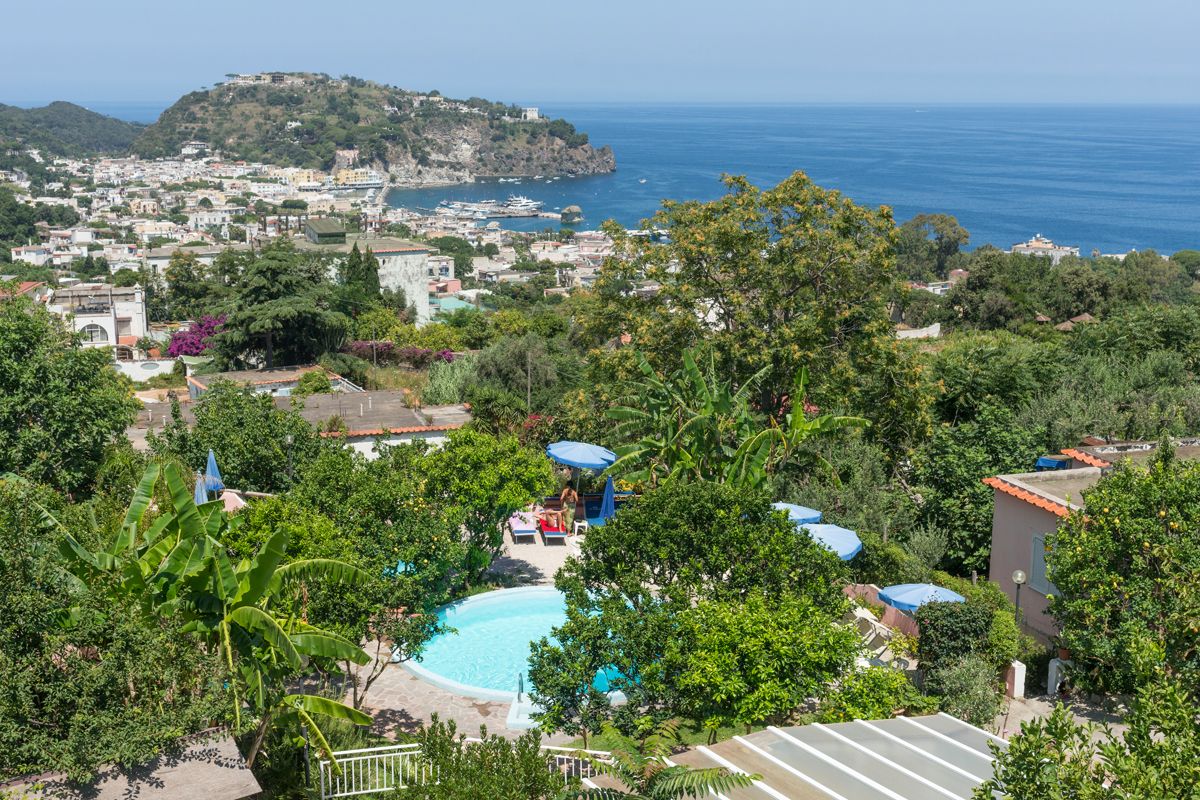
pixel 961 732
pixel 948 749
pixel 846 769
pixel 946 773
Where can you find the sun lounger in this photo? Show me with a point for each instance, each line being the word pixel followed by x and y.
pixel 552 531
pixel 523 523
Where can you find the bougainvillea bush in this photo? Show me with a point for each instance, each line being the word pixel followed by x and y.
pixel 196 339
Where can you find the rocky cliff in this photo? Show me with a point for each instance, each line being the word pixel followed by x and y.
pixel 304 120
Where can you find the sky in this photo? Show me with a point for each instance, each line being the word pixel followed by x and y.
pixel 534 51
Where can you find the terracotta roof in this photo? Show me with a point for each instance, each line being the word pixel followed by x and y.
pixel 387 431
pixel 1086 458
pixel 1058 509
pixel 23 288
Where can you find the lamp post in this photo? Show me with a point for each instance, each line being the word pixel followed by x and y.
pixel 289 439
pixel 1019 578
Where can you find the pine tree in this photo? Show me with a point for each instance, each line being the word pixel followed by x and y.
pixel 278 309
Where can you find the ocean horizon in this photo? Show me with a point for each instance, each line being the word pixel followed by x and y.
pixel 1107 178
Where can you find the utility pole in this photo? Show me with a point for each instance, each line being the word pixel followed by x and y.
pixel 528 378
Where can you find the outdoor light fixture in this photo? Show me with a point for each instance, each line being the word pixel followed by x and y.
pixel 1019 577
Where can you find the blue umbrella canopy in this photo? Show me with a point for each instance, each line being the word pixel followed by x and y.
pixel 212 475
pixel 911 596
pixel 581 454
pixel 608 503
pixel 200 495
pixel 842 541
pixel 801 515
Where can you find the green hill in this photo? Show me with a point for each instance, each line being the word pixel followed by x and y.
pixel 302 119
pixel 65 129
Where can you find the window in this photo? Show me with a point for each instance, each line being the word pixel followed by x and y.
pixel 1037 568
pixel 94 333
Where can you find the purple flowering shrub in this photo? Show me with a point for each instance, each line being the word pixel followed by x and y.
pixel 197 338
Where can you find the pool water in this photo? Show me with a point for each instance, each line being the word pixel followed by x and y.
pixel 487 654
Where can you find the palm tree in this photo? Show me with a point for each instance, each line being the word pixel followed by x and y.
pixel 644 770
pixel 176 566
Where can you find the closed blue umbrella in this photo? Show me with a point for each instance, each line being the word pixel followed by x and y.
pixel 801 515
pixel 200 496
pixel 608 503
pixel 842 541
pixel 581 455
pixel 911 596
pixel 212 475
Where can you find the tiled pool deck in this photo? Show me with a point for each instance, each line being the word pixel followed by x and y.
pixel 401 702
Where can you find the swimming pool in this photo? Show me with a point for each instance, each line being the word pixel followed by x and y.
pixel 488 654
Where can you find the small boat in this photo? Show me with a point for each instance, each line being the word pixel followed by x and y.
pixel 641 180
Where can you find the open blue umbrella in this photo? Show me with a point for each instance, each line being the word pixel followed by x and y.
pixel 200 495
pixel 581 454
pixel 801 515
pixel 608 503
pixel 212 475
pixel 911 596
pixel 842 541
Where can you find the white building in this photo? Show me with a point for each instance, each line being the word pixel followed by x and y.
pixel 35 254
pixel 106 315
pixel 440 267
pixel 1041 246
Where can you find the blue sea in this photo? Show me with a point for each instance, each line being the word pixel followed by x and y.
pixel 1110 178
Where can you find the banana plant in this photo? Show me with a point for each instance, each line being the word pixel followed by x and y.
pixel 782 444
pixel 692 425
pixel 175 566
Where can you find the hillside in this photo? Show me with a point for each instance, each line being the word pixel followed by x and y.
pixel 304 119
pixel 65 129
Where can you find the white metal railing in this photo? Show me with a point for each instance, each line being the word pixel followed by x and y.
pixel 375 769
pixel 382 769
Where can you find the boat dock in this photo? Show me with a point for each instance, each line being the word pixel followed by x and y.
pixel 514 207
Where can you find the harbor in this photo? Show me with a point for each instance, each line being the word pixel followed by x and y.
pixel 514 207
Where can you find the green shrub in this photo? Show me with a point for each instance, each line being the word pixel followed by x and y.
pixel 315 382
pixel 950 631
pixel 449 381
pixel 876 692
pixel 886 564
pixel 349 367
pixel 495 767
pixel 968 689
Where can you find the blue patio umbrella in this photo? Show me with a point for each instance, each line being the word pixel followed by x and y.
pixel 608 503
pixel 911 596
pixel 801 515
pixel 212 475
pixel 200 495
pixel 581 455
pixel 842 541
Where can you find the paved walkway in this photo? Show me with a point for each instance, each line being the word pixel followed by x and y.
pixel 1008 724
pixel 401 702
